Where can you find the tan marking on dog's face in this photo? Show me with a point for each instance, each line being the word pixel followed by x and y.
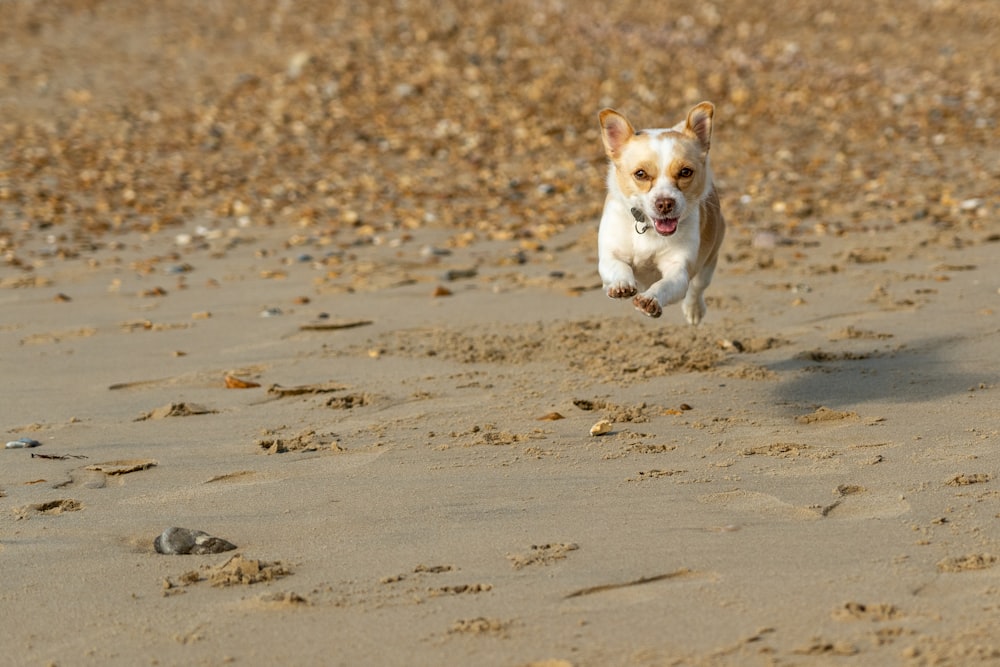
pixel 637 166
pixel 687 169
pixel 643 159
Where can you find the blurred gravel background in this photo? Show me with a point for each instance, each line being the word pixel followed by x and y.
pixel 832 115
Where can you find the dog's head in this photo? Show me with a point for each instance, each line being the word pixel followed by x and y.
pixel 664 172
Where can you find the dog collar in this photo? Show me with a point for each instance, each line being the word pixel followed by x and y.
pixel 640 219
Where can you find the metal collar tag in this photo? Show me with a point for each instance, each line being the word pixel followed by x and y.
pixel 640 219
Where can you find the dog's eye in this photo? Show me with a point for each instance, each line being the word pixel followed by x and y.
pixel 686 172
pixel 641 175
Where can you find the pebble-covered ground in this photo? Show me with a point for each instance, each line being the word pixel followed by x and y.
pixel 481 116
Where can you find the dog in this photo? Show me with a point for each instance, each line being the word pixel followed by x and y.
pixel 662 226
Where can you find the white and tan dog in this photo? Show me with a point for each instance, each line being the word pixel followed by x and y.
pixel 662 226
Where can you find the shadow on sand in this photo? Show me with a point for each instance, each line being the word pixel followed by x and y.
pixel 929 370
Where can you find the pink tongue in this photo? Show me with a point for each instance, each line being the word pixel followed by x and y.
pixel 665 226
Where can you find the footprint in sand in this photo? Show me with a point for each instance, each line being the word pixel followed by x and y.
pixel 49 508
pixel 760 503
pixel 542 554
pixel 868 505
pixel 857 611
pixel 851 503
pixel 96 476
pixel 81 477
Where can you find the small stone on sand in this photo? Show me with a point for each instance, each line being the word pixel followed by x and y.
pixel 179 541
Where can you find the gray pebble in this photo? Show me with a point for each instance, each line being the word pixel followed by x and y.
pixel 22 443
pixel 178 541
pixel 431 251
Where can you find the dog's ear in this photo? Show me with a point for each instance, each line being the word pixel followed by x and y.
pixel 699 123
pixel 615 131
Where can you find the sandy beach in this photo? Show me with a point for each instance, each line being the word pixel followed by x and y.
pixel 320 280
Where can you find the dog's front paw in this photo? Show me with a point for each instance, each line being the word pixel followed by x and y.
pixel 622 290
pixel 648 305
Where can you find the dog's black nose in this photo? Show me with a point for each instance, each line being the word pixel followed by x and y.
pixel 665 205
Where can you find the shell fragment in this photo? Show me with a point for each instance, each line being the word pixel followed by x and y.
pixel 600 428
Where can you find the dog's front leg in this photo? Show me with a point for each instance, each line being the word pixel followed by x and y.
pixel 617 276
pixel 671 288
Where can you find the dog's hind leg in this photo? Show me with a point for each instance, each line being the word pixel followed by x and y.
pixel 694 301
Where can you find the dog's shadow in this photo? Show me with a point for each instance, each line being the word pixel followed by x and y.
pixel 927 370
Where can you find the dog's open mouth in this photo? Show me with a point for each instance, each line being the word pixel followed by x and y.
pixel 665 226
